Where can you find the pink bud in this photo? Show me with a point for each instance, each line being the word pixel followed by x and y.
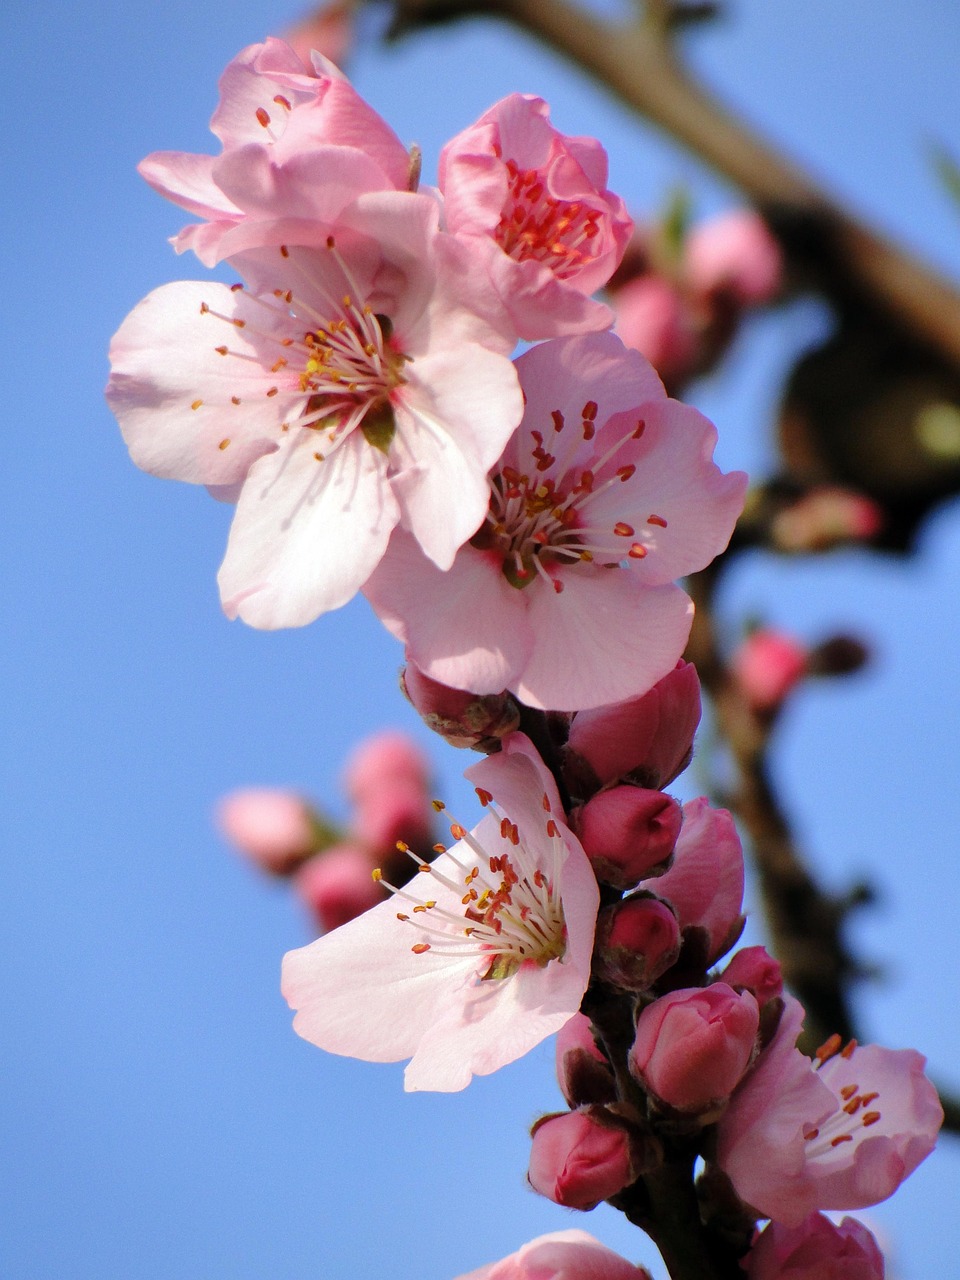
pixel 463 719
pixel 382 761
pixel 693 1046
pixel 273 828
pixel 637 940
pixel 328 30
pixel 649 738
pixel 654 319
pixel 827 517
pixel 628 832
pixel 767 666
pixel 753 969
pixel 577 1161
pixel 815 1250
pixel 735 254
pixel 583 1073
pixel 338 885
pixel 398 811
pixel 562 1255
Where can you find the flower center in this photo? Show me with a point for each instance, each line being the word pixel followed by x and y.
pixel 505 907
pixel 540 520
pixel 534 225
pixel 856 1111
pixel 335 363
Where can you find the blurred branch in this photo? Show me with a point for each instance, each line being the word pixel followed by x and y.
pixel 850 263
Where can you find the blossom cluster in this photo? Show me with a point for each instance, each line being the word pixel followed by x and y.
pixel 519 523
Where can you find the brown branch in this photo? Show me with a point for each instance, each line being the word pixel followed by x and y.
pixel 850 263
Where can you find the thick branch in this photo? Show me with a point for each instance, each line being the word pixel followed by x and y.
pixel 850 263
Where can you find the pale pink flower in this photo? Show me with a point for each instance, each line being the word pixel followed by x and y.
pixel 603 497
pixel 841 1134
pixel 649 738
pixel 351 387
pixel 767 666
pixel 693 1046
pixel 562 1255
pixel 816 1249
pixel 577 1160
pixel 274 828
pixel 488 954
pixel 542 197
pixel 284 129
pixel 734 253
pixel 704 883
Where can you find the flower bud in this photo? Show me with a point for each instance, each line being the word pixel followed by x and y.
pixel 637 940
pixel 628 832
pixel 462 719
pixel 734 254
pixel 399 811
pixel 329 30
pixel 577 1161
pixel 767 666
pixel 337 885
pixel 693 1046
pixel 583 1073
pixel 826 517
pixel 818 1249
pixel 647 739
pixel 655 319
pixel 754 969
pixel 275 829
pixel 383 760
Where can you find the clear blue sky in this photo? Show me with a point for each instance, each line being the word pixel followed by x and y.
pixel 160 1119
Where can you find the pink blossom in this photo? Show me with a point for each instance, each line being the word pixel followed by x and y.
pixel 351 387
pixel 637 941
pixel 704 884
pixel 338 885
pixel 649 738
pixel 274 828
pixel 577 1160
pixel 542 197
pixel 291 137
pixel 603 497
pixel 816 1249
pixel 654 318
pixel 767 665
pixel 693 1046
pixel 491 956
pixel 562 1255
pixel 841 1134
pixel 737 254
pixel 627 833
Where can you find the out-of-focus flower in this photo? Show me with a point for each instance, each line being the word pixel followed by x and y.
pixel 628 832
pixel 816 1249
pixel 693 1046
pixel 542 197
pixel 386 759
pixel 338 885
pixel 766 666
pixel 352 386
pixel 577 1160
pixel 736 254
pixel 276 829
pixel 654 319
pixel 562 1255
pixel 648 738
pixel 841 1134
pixel 489 953
pixel 565 595
pixel 704 884
pixel 327 30
pixel 826 517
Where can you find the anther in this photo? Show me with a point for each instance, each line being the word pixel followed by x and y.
pixel 658 521
pixel 223 444
pixel 263 117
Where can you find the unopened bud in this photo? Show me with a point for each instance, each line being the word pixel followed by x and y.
pixel 754 969
pixel 735 254
pixel 583 1073
pixel 767 666
pixel 382 761
pixel 275 829
pixel 463 719
pixel 824 518
pixel 637 940
pixel 576 1160
pixel 337 885
pixel 628 833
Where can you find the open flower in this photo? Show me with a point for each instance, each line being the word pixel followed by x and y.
pixel 841 1133
pixel 353 385
pixel 565 595
pixel 542 197
pixel 276 118
pixel 488 954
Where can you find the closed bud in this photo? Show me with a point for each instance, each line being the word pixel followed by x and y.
pixel 578 1159
pixel 628 833
pixel 766 668
pixel 462 719
pixel 754 969
pixel 275 829
pixel 383 761
pixel 637 940
pixel 734 254
pixel 338 885
pixel 583 1072
pixel 693 1046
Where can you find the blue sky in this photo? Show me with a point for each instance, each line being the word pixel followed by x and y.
pixel 160 1118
